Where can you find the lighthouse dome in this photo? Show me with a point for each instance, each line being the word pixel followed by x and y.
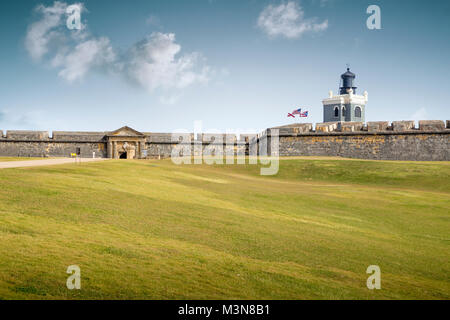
pixel 348 74
pixel 347 80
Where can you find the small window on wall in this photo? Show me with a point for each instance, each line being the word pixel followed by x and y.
pixel 336 112
pixel 78 151
pixel 344 111
pixel 358 112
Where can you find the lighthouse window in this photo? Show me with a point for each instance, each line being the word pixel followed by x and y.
pixel 336 111
pixel 358 112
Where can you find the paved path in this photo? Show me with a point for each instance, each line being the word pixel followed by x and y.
pixel 46 162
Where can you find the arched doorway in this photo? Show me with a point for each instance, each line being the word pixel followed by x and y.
pixel 122 155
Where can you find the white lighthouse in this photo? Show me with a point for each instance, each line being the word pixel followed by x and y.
pixel 347 106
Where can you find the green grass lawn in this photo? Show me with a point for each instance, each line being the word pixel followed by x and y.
pixel 154 230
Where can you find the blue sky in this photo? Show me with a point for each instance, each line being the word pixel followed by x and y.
pixel 160 65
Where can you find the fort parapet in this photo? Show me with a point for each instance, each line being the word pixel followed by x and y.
pixel 399 140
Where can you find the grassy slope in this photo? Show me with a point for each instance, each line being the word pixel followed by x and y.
pixel 150 229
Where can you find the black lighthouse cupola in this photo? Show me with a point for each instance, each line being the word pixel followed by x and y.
pixel 347 82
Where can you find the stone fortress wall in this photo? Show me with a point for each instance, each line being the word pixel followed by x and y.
pixel 399 140
pixel 14 143
pixel 17 143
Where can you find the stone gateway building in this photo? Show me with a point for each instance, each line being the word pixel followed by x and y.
pixel 343 133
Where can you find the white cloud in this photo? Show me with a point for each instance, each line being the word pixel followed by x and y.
pixel 288 20
pixel 80 60
pixel 153 64
pixel 74 52
pixel 42 32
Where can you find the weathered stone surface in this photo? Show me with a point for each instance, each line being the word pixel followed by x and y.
pixel 431 125
pixel 247 137
pixel 157 150
pixel 351 126
pixel 377 126
pixel 13 148
pixel 158 137
pixel 218 138
pixel 26 135
pixel 403 125
pixel 78 136
pixel 297 128
pixel 304 128
pixel 388 146
pixel 326 127
pixel 448 124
